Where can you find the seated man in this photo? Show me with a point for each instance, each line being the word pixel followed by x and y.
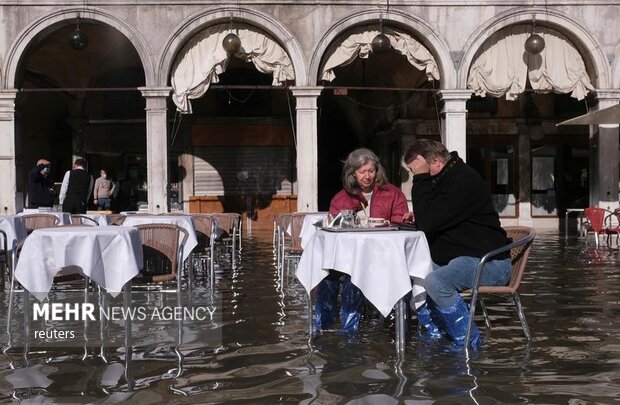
pixel 453 207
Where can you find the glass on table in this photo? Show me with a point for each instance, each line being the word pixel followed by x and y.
pixel 347 219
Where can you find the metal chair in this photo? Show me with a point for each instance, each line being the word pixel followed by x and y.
pixel 38 221
pixel 162 247
pixel 228 223
pixel 4 257
pixel 80 219
pixel 612 226
pixel 519 249
pixel 595 222
pixel 206 230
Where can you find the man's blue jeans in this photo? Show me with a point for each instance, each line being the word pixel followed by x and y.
pixel 445 282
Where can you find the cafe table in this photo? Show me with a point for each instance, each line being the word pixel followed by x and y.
pixel 384 263
pixel 109 255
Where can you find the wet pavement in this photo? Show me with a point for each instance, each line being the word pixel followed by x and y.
pixel 260 352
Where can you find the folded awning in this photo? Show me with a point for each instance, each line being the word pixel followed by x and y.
pixel 610 115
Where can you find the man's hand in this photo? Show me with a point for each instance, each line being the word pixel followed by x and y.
pixel 419 165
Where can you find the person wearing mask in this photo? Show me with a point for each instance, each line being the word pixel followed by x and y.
pixel 453 207
pixel 76 188
pixel 365 189
pixel 40 185
pixel 103 192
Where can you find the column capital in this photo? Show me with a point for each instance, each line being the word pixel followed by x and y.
pixel 7 105
pixel 608 94
pixel 149 92
pixel 307 91
pixel 455 95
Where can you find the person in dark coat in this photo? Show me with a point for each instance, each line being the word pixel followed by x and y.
pixel 453 207
pixel 77 186
pixel 40 185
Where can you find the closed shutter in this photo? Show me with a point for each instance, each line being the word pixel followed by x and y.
pixel 241 170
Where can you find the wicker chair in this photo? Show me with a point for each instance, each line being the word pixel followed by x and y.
pixel 80 219
pixel 162 247
pixel 520 249
pixel 38 221
pixel 229 224
pixel 206 230
pixel 116 219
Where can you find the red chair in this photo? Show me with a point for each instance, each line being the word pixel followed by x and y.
pixel 612 226
pixel 595 222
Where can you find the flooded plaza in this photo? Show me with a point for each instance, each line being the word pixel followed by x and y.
pixel 255 348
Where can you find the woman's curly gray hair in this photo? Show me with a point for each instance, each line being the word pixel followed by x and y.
pixel 355 160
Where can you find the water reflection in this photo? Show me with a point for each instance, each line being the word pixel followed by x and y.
pixel 570 295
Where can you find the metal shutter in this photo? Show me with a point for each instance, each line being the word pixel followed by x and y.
pixel 241 170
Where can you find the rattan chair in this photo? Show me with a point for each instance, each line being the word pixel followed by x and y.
pixel 229 237
pixel 80 219
pixel 38 221
pixel 116 219
pixel 162 247
pixel 520 249
pixel 206 232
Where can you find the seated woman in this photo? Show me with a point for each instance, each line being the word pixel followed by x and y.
pixel 365 188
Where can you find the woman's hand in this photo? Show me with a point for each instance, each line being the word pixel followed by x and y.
pixel 408 217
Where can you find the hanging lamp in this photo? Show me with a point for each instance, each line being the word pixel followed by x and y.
pixel 381 43
pixel 77 39
pixel 231 42
pixel 535 43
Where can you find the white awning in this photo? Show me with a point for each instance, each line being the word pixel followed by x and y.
pixel 503 66
pixel 203 58
pixel 358 44
pixel 610 115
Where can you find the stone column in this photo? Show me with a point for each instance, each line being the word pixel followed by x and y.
pixel 9 201
pixel 307 147
pixel 454 120
pixel 157 147
pixel 604 157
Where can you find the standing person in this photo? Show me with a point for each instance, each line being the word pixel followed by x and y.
pixel 40 185
pixel 453 207
pixel 76 188
pixel 104 191
pixel 365 187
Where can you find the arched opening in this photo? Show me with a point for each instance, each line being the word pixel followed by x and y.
pixel 512 139
pixel 377 100
pixel 82 103
pixel 235 141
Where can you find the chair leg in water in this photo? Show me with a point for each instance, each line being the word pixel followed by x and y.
pixel 455 320
pixel 428 322
pixel 351 306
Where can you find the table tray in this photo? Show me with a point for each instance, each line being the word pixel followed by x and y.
pixel 375 229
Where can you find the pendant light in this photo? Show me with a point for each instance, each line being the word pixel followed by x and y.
pixel 381 43
pixel 231 42
pixel 535 43
pixel 77 39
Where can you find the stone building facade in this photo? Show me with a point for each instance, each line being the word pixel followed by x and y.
pixel 252 137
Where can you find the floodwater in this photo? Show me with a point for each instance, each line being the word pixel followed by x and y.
pixel 261 353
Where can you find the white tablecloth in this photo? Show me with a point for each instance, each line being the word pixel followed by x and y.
pixel 308 229
pixel 184 221
pixel 14 228
pixel 109 255
pixel 380 263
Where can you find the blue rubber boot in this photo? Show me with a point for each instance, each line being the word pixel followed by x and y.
pixel 455 321
pixel 427 321
pixel 352 303
pixel 326 299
